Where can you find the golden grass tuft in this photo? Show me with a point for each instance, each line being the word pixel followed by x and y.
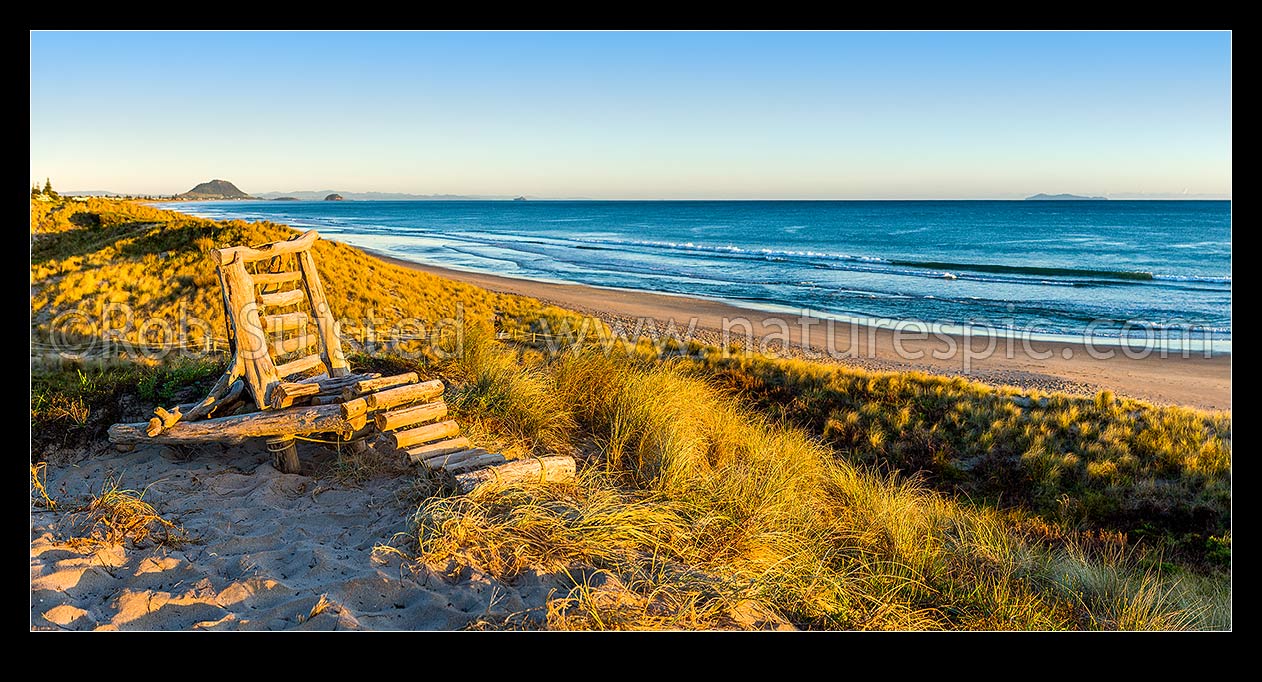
pixel 118 515
pixel 39 474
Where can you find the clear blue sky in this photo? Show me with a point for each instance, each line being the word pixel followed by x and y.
pixel 636 115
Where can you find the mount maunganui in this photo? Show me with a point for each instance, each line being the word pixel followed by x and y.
pixel 214 189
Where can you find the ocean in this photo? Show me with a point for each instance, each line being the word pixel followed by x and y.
pixel 1152 272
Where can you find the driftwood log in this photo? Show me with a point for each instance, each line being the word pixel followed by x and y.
pixel 422 454
pixel 549 469
pixel 286 393
pixel 372 385
pixel 424 434
pixel 237 428
pixel 477 461
pixel 454 458
pixel 409 416
pixel 334 385
pixel 393 397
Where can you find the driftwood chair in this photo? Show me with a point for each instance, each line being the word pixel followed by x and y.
pixel 288 376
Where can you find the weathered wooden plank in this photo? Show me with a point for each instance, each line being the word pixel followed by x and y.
pixel 336 384
pixel 421 453
pixel 282 299
pixel 249 254
pixel 302 364
pixel 397 419
pixel 391 397
pixel 477 462
pixel 250 341
pixel 424 434
pixel 266 278
pixel 284 322
pixel 453 458
pixel 334 358
pixel 294 344
pixel 286 392
pixel 381 383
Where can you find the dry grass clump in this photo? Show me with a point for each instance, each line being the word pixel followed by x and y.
pixel 119 515
pixel 39 474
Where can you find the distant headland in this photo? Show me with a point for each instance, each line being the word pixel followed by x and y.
pixel 1064 197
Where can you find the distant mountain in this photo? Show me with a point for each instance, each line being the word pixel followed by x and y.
pixel 215 189
pixel 1063 197
pixel 318 195
pixel 335 197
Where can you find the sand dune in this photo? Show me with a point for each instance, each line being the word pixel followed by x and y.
pixel 265 548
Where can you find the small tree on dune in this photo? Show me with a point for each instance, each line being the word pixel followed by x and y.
pixel 48 188
pixel 35 191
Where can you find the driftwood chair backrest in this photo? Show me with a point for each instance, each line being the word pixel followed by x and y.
pixel 279 322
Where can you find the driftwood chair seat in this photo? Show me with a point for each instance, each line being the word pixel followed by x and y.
pixel 287 375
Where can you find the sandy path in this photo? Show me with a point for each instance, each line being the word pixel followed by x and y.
pixel 265 547
pixel 1196 380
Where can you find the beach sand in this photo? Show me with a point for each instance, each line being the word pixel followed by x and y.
pixel 1196 380
pixel 265 547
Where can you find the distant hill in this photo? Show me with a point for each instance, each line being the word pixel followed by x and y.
pixel 1064 197
pixel 335 197
pixel 215 189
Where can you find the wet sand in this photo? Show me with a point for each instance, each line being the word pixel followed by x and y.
pixel 1195 380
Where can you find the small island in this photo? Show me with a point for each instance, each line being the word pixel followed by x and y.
pixel 286 199
pixel 1064 197
pixel 334 197
pixel 519 199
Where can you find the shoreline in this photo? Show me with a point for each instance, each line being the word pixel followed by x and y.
pixel 1194 381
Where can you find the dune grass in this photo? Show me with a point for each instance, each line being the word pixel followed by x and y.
pixel 697 507
pixel 106 267
pixel 1159 473
pixel 73 403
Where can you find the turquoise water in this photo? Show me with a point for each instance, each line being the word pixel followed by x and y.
pixel 1136 269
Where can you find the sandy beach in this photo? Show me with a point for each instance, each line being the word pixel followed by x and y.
pixel 264 548
pixel 1196 380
